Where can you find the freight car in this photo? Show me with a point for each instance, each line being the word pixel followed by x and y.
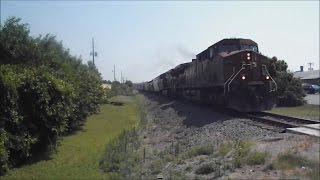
pixel 231 73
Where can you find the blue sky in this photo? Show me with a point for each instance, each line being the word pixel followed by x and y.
pixel 144 39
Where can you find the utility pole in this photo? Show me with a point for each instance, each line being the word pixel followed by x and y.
pixel 310 66
pixel 93 53
pixel 114 72
pixel 121 77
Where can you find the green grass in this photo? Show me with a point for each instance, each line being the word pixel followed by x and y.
pixel 304 110
pixel 78 155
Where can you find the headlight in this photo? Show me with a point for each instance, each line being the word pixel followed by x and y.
pixel 248 57
pixel 267 77
pixel 243 77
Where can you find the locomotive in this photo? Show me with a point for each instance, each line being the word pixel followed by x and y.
pixel 231 73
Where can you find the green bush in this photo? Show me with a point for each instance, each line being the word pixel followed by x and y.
pixel 34 112
pixel 289 89
pixel 257 158
pixel 44 93
pixel 241 152
pixel 197 151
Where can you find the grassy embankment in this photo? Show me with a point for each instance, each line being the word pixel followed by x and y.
pixel 79 154
pixel 306 110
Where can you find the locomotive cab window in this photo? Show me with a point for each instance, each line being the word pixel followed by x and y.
pixel 228 48
pixel 249 47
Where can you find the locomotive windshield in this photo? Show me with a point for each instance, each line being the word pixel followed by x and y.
pixel 230 48
pixel 249 47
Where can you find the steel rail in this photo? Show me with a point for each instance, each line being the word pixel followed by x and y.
pixel 287 118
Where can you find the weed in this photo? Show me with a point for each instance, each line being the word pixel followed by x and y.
pixel 224 149
pixel 290 161
pixel 177 176
pixel 257 158
pixel 314 173
pixel 197 151
pixel 168 158
pixel 156 166
pixel 205 169
pixel 121 154
pixel 241 151
pixel 188 168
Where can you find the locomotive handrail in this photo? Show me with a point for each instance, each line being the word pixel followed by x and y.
pixel 276 87
pixel 242 68
pixel 224 85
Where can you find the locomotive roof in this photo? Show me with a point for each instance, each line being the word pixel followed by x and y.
pixel 235 41
pixel 232 41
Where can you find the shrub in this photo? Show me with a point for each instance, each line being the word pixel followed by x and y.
pixel 34 113
pixel 290 160
pixel 197 151
pixel 241 151
pixel 225 148
pixel 290 91
pixel 257 158
pixel 205 169
pixel 44 93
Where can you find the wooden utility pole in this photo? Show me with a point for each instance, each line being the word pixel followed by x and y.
pixel 121 78
pixel 114 72
pixel 93 53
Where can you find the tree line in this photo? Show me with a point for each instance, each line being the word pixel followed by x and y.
pixel 44 92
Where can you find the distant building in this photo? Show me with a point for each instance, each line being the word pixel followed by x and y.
pixel 106 86
pixel 311 77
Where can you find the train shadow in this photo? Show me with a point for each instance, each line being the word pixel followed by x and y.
pixel 194 114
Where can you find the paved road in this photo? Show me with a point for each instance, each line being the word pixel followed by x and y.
pixel 313 99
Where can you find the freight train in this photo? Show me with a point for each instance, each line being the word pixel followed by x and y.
pixel 231 73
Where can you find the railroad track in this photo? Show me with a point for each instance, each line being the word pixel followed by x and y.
pixel 285 122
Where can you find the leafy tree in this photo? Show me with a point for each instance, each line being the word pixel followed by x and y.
pixel 44 93
pixel 289 89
